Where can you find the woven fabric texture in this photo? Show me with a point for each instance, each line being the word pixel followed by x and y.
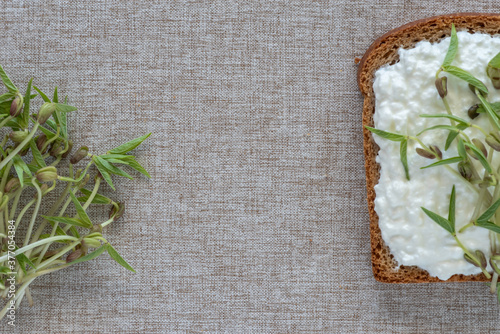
pixel 255 218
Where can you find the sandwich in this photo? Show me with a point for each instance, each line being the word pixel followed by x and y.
pixel 430 117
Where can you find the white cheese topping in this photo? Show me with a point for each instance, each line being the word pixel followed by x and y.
pixel 403 91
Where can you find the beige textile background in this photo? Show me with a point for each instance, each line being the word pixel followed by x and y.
pixel 255 218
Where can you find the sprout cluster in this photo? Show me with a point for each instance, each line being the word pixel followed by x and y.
pixel 37 158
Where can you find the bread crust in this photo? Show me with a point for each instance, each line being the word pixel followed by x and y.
pixel 385 51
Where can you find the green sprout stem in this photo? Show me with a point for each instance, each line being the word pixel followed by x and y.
pixel 35 213
pixel 457 174
pixel 56 162
pixel 5 175
pixel 51 140
pixel 494 281
pixel 23 212
pixel 448 109
pixel 93 194
pixel 480 200
pixel 58 255
pixel 55 206
pixel 472 256
pixel 69 179
pixel 17 197
pixel 5 121
pixel 425 147
pixel 20 146
pixel 4 141
pixel 480 129
pixel 38 243
pixel 465 227
pixel 56 224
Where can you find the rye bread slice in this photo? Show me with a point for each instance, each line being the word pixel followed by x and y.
pixel 385 51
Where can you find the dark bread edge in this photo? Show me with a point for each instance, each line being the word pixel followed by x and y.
pixel 385 51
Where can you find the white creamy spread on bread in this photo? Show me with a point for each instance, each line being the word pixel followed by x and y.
pixel 403 91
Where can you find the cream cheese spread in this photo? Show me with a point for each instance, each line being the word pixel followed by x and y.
pixel 403 91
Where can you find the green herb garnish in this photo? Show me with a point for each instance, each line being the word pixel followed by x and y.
pixel 35 160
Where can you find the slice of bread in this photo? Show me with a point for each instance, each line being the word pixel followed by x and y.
pixel 385 51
